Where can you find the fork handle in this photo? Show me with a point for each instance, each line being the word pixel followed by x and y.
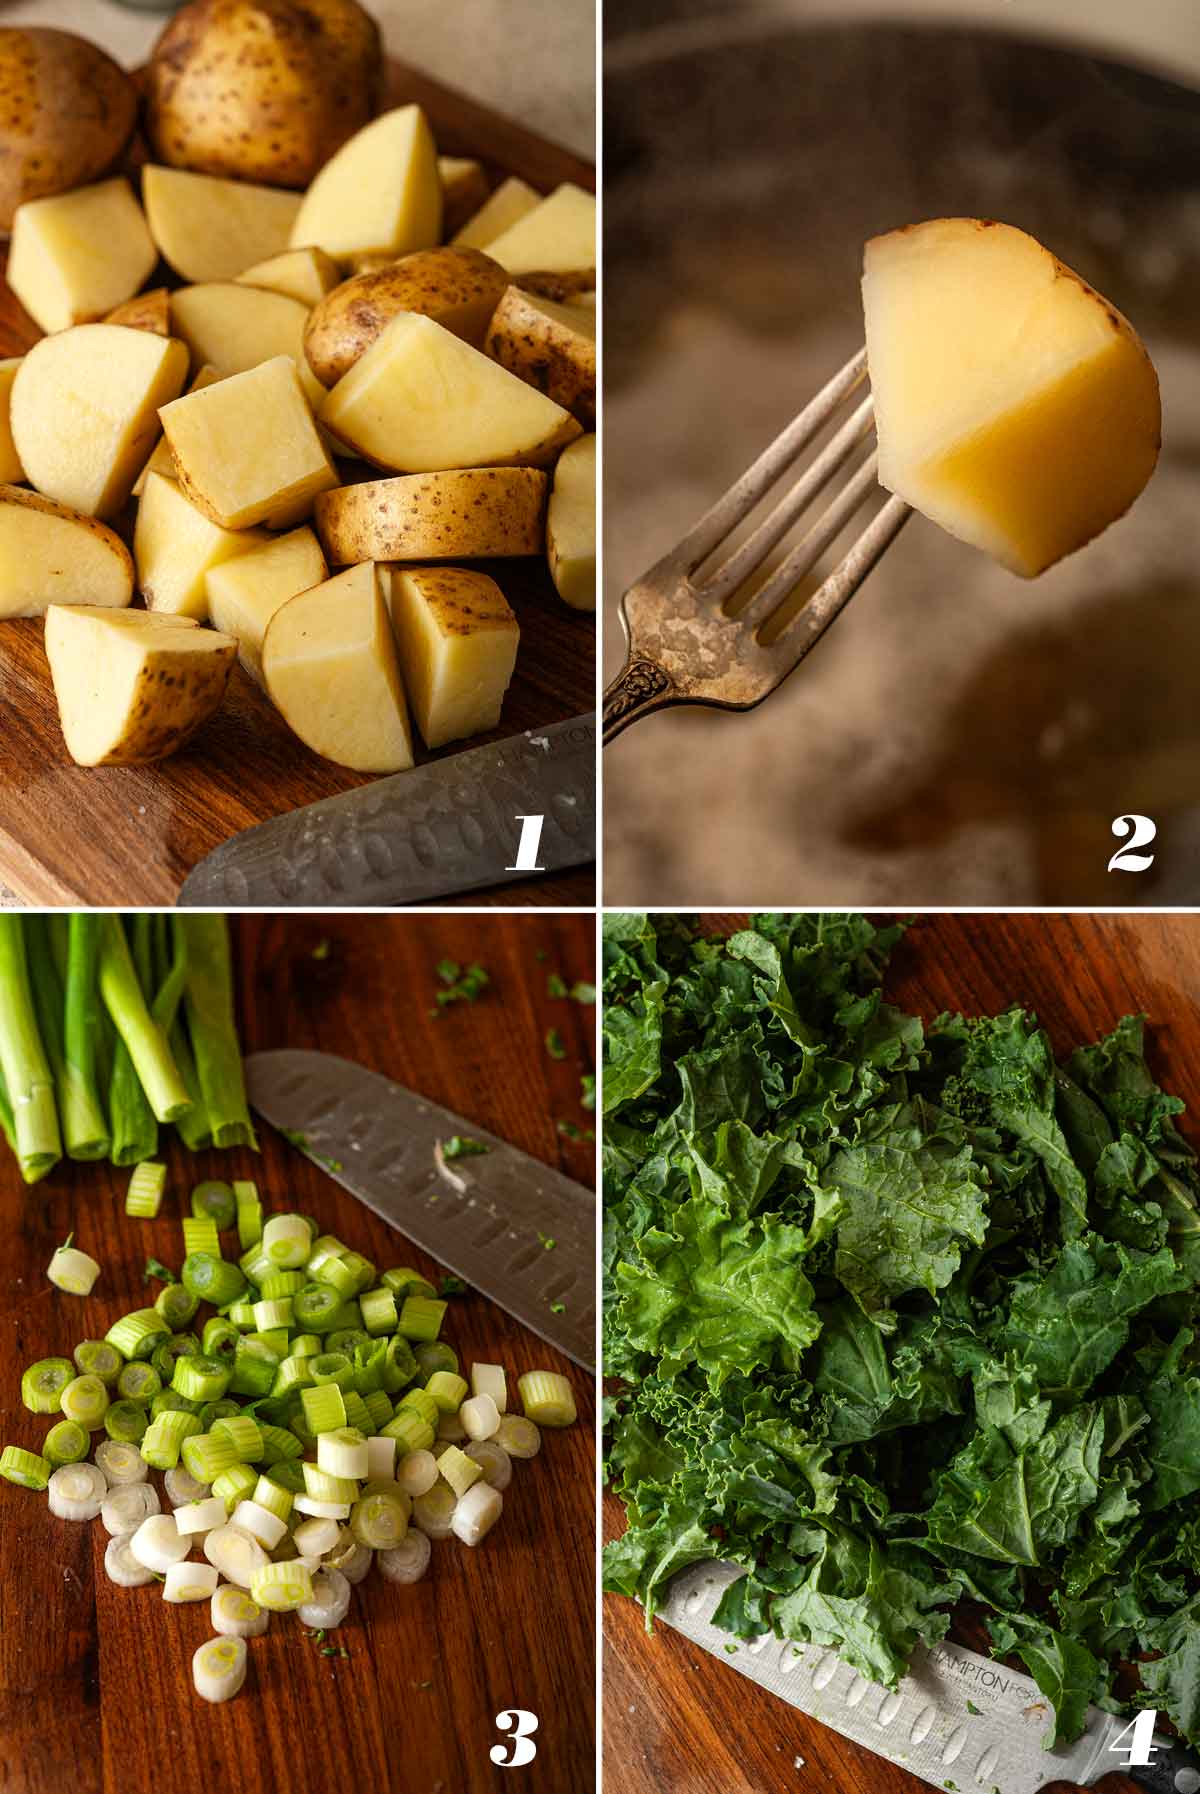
pixel 642 686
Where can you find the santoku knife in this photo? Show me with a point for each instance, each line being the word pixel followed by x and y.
pixel 957 1720
pixel 488 1216
pixel 448 826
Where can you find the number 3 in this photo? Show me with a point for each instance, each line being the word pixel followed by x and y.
pixel 1141 832
pixel 518 1724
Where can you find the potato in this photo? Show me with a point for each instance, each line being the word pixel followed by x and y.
pixel 244 593
pixel 457 638
pixel 263 90
pixel 329 662
pixel 553 248
pixel 132 687
pixel 464 190
pixel 11 471
pixel 470 514
pixel 1013 404
pixel 211 229
pixel 246 450
pixel 162 460
pixel 76 255
pixel 511 201
pixel 420 400
pixel 571 525
pixel 85 411
pixel 175 545
pixel 234 328
pixel 52 555
pixel 458 288
pixel 303 274
pixel 69 111
pixel 550 346
pixel 148 311
pixel 380 194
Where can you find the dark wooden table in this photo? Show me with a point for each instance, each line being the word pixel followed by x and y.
pixel 677 1721
pixel 95 1680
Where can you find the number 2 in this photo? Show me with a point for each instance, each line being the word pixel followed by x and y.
pixel 1141 831
pixel 518 1724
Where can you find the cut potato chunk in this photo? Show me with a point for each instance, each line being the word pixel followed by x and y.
pixel 234 328
pixel 571 525
pixel 457 638
pixel 464 190
pixel 550 346
pixel 421 400
pixel 76 255
pixel 246 449
pixel 11 471
pixel 52 555
pixel 148 311
pixel 162 460
pixel 472 514
pixel 381 192
pixel 1013 405
pixel 175 545
pixel 303 274
pixel 209 228
pixel 245 593
pixel 85 411
pixel 132 687
pixel 552 248
pixel 458 288
pixel 329 662
pixel 511 202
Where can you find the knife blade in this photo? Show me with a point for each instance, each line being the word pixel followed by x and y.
pixel 956 1719
pixel 486 1217
pixel 450 825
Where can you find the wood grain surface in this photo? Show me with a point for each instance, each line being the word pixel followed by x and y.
pixel 127 836
pixel 95 1680
pixel 678 1721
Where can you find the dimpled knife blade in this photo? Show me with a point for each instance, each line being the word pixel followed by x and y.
pixel 486 1217
pixel 448 826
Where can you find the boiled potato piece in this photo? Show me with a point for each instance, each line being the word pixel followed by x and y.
pixel 511 201
pixel 381 193
pixel 245 593
pixel 553 248
pixel 1013 404
pixel 76 255
pixel 162 460
pixel 472 514
pixel 85 411
pixel 457 640
pixel 148 311
pixel 246 450
pixel 210 229
pixel 52 555
pixel 132 687
pixel 264 90
pixel 551 346
pixel 420 400
pixel 303 274
pixel 11 471
pixel 69 111
pixel 458 288
pixel 234 328
pixel 174 547
pixel 464 190
pixel 329 662
pixel 571 525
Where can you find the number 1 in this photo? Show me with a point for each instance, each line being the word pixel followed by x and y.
pixel 527 846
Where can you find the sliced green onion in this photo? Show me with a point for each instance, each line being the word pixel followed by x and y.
pixel 314 1538
pixel 212 1279
pixel 357 1413
pixel 450 1429
pixel 279 1446
pixel 321 1485
pixel 176 1305
pixel 236 1484
pixel 85 1399
pixel 460 1471
pixel 287 1241
pixel 124 1507
pixel 76 1492
pixel 381 1459
pixel 519 1437
pixel 236 1615
pixel 378 1308
pixel 410 1432
pixel 28 1078
pixel 169 1401
pixel 322 1510
pixel 72 1271
pixel 324 1409
pixel 249 1213
pixel 244 1434
pixel 235 1553
pixel 200 1235
pixel 273 1496
pixel 96 1358
pixel 380 1519
pixel 220 1339
pixel 259 1522
pixel 332 1367
pixel 280 1284
pixel 202 1515
pixel 421 1318
pixel 125 1422
pixel 351 1559
pixel 190 1582
pixel 216 1200
pixel 207 1455
pixel 257 1266
pixel 293 1373
pixel 408 1561
pixel 433 1355
pixel 432 1512
pixel 407 1283
pixel 480 1417
pixel 370 1357
pixel 273 1314
pixel 169 1351
pixel 547 1398
pixel 447 1391
pixel 305 1345
pixel 494 1461
pixel 43 1383
pixel 202 1379
pixel 289 1474
pixel 25 1468
pixel 182 1487
pixel 329 1602
pixel 146 1186
pixel 476 1513
pixel 219 1668
pixel 342 1451
pixel 336 1274
pixel 138 1382
pixel 281 1587
pixel 489 1379
pixel 66 1443
pixel 122 1567
pixel 241 1315
pixel 347 1319
pixel 138 1335
pixel 417 1472
pixel 164 1438
pixel 421 1402
pixel 399 1365
pixel 157 1543
pixel 121 1461
pixel 211 1412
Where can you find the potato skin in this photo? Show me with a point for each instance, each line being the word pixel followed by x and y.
pixel 468 514
pixel 460 288
pixel 546 350
pixel 262 90
pixel 145 311
pixel 171 702
pixel 69 112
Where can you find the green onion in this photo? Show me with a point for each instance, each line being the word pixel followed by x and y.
pixel 96 1358
pixel 378 1407
pixel 85 1027
pixel 460 1471
pixel 287 1242
pixel 43 1383
pixel 165 1435
pixel 212 1279
pixel 282 1284
pixel 321 1485
pixel 215 1200
pixel 399 1365
pixel 325 1246
pixel 221 1338
pixel 144 1039
pixel 236 1615
pixel 434 1355
pixel 25 1468
pixel 305 1345
pixel 280 1587
pixel 207 1455
pixel 66 1443
pixel 234 1484
pixel 176 1305
pixel 249 1213
pixel 337 1273
pixel 346 1341
pixel 146 1186
pixel 72 1271
pixel 169 1401
pixel 480 1417
pixel 378 1310
pixel 407 1283
pixel 254 1370
pixel 324 1409
pixel 293 1373
pixel 421 1402
pixel 138 1382
pixel 243 1433
pixel 85 1399
pixel 547 1398
pixel 28 1078
pixel 211 1412
pixel 380 1519
pixel 260 1523
pixel 433 1511
pixel 289 1472
pixel 219 1668
pixel 342 1451
pixel 190 1582
pixel 476 1513
pixel 213 1028
pixel 241 1315
pixel 168 1353
pixel 447 1391
pixel 421 1318
pixel 201 1379
pixel 315 1307
pixel 279 1447
pixel 269 1315
pixel 194 1127
pixel 138 1335
pixel 410 1432
pixel 357 1414
pixel 126 1421
pixel 332 1367
pixel 200 1235
pixel 274 1497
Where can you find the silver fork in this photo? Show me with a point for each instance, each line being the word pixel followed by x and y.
pixel 684 644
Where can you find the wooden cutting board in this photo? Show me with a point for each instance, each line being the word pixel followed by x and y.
pixel 677 1719
pixel 95 1681
pixel 128 836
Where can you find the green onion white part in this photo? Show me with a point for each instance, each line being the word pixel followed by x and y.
pixel 352 1559
pixel 494 1462
pixel 66 1443
pixel 235 1484
pixel 417 1472
pixel 451 1430
pixel 205 1514
pixel 329 1602
pixel 282 1587
pixel 190 1582
pixel 236 1615
pixel 85 1399
pixel 181 1486
pixel 260 1523
pixel 380 1519
pixel 76 1491
pixel 236 1553
pixel 219 1668
pixel 124 1508
pixel 519 1437
pixel 316 1538
pixel 408 1561
pixel 122 1567
pixel 274 1497
pixel 72 1271
pixel 121 1462
pixel 146 1187
pixel 381 1458
pixel 342 1453
pixel 433 1511
pixel 489 1379
pixel 447 1390
pixel 476 1513
pixel 480 1417
pixel 317 1509
pixel 157 1543
pixel 460 1471
pixel 287 1241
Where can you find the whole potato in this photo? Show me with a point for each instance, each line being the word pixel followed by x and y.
pixel 68 112
pixel 458 288
pixel 262 90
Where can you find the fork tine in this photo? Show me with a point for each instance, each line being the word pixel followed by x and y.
pixel 812 545
pixel 746 492
pixel 832 596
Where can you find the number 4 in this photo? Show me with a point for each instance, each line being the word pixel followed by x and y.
pixel 518 1724
pixel 1141 831
pixel 1139 1752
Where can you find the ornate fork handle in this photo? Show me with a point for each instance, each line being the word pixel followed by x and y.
pixel 641 687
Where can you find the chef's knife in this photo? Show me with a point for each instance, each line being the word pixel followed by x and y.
pixel 450 825
pixel 957 1720
pixel 487 1216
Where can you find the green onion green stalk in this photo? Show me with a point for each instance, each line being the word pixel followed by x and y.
pixel 28 1077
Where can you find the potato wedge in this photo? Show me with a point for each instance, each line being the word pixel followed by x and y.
pixel 329 662
pixel 303 274
pixel 571 525
pixel 52 555
pixel 76 255
pixel 380 193
pixel 85 411
pixel 132 687
pixel 146 311
pixel 11 471
pixel 244 593
pixel 512 201
pixel 458 288
pixel 420 400
pixel 550 346
pixel 234 328
pixel 210 229
pixel 162 460
pixel 174 547
pixel 69 111
pixel 457 637
pixel 464 190
pixel 246 449
pixel 471 514
pixel 552 249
